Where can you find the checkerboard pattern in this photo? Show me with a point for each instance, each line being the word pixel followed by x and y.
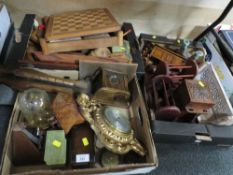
pixel 81 23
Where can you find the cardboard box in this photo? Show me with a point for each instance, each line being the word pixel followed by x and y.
pixel 13 51
pixel 141 127
pixel 182 133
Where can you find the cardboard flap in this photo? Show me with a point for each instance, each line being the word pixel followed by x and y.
pixel 87 68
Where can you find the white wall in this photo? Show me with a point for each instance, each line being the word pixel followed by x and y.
pixel 177 18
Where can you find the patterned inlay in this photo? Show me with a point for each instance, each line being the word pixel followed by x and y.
pixel 80 23
pixel 221 107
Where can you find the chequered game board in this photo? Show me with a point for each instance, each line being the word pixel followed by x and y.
pixel 80 23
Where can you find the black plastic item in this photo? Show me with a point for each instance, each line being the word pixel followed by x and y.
pixel 7 99
pixel 215 23
pixel 221 135
pixel 7 43
pixel 209 54
pixel 5 111
pixel 7 95
pixel 224 47
pixel 227 36
pixel 134 46
pixel 174 132
pixel 156 39
pixel 16 51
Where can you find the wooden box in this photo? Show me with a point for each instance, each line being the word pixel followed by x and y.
pixel 194 96
pixel 78 30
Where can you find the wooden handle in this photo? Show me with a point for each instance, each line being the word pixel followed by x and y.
pixel 22 84
pixel 49 65
pixel 28 78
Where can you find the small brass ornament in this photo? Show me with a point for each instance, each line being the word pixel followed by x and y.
pixel 111 125
pixel 109 159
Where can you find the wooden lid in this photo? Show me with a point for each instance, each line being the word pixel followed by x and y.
pixel 80 23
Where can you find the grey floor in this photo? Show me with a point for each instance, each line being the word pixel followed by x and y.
pixel 176 159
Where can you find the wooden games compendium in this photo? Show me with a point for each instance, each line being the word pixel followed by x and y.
pixel 80 23
pixel 87 29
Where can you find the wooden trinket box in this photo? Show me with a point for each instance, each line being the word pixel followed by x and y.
pixel 82 153
pixel 167 56
pixel 111 87
pixel 194 96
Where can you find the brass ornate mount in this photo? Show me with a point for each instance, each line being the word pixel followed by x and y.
pixel 113 139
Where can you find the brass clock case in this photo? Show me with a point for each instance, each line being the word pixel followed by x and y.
pixel 120 139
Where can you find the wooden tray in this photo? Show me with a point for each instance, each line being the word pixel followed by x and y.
pixel 80 23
